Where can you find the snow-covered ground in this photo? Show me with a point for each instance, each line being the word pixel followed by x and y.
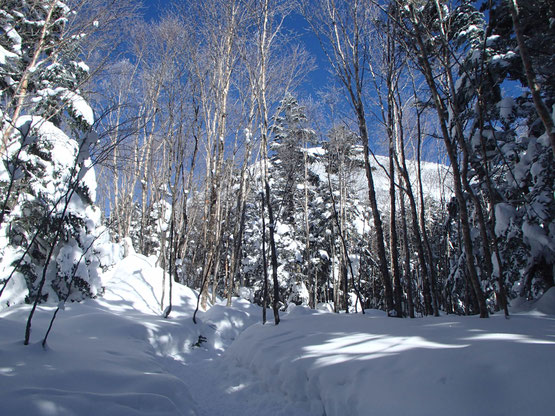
pixel 116 355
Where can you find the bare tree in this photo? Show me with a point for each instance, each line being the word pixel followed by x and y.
pixel 341 28
pixel 415 29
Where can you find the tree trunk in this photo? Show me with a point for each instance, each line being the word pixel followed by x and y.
pixel 451 151
pixel 406 252
pixel 264 263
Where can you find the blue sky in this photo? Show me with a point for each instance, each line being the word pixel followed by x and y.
pixel 316 80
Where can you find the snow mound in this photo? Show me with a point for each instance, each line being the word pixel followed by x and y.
pixel 226 323
pixel 137 284
pixel 543 305
pixel 115 355
pixel 300 310
pixel 96 360
pixel 546 304
pixel 362 364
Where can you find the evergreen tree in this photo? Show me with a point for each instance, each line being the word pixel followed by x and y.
pixel 289 177
pixel 290 137
pixel 510 139
pixel 49 224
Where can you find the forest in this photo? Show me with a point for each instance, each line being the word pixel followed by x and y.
pixel 418 179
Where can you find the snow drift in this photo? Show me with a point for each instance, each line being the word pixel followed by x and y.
pixel 116 355
pixel 373 365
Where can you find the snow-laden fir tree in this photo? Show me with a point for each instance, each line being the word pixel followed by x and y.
pixel 343 166
pixel 291 182
pixel 480 84
pixel 512 146
pixel 49 225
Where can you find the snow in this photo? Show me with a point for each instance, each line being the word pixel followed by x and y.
pixel 432 175
pixel 76 103
pixel 359 364
pixel 116 353
pixel 503 59
pixel 80 107
pixel 14 37
pixel 537 238
pixel 63 148
pixel 469 30
pixel 16 288
pixel 504 213
pixel 5 54
pixel 506 108
pixel 543 305
pixel 491 40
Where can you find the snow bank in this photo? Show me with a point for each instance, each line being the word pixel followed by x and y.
pixel 113 355
pixel 544 305
pixel 135 283
pixel 116 355
pixel 98 361
pixel 227 323
pixel 361 365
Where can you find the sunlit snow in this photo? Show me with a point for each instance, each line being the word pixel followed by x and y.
pixel 116 355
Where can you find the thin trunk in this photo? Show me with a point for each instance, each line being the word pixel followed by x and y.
pixel 350 72
pixel 406 253
pixel 422 218
pixel 333 273
pixel 429 305
pixel 47 263
pixel 21 91
pixel 501 294
pixel 393 240
pixel 386 280
pixel 273 255
pixel 264 46
pixel 264 262
pixel 451 151
pixel 346 259
pixel 171 268
pixel 239 225
pixel 310 277
pixel 223 68
pixel 392 123
pixel 162 263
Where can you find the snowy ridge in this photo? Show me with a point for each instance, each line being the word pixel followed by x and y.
pixel 434 176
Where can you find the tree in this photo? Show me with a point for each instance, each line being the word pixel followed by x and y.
pixel 511 144
pixel 430 39
pixel 289 174
pixel 222 21
pixel 341 28
pixel 49 221
pixel 531 79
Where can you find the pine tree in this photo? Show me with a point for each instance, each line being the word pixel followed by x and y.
pixel 49 223
pixel 510 139
pixel 289 175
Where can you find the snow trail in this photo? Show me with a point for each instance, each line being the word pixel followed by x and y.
pixel 223 389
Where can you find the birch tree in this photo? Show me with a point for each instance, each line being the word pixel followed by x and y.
pixel 341 28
